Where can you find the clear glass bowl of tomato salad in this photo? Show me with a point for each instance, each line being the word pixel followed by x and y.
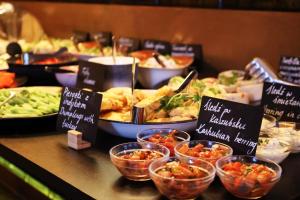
pixel 181 179
pixel 247 176
pixel 133 159
pixel 165 136
pixel 207 150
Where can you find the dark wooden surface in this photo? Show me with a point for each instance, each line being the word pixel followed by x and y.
pixel 91 171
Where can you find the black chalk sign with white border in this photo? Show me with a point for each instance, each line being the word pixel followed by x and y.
pixel 231 123
pixel 281 101
pixel 289 69
pixel 79 110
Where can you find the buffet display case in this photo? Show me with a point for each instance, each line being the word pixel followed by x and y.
pixel 149 99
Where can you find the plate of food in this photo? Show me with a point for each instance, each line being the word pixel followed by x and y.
pixel 164 107
pixel 29 102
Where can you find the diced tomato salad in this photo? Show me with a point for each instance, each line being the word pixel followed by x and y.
pixel 248 179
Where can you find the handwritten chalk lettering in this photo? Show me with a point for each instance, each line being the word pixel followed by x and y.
pixel 89 119
pixel 277 91
pixel 86 73
pixel 289 68
pixel 76 104
pixel 286 101
pixel 209 132
pixel 70 94
pixel 245 142
pixel 232 122
pixel 70 114
pixel 213 108
pixel 290 60
pixel 68 125
pixel 270 111
pixel 149 45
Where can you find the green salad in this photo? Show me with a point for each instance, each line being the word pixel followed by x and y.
pixel 29 102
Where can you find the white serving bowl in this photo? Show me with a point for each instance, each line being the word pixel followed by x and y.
pixel 67 79
pixel 130 130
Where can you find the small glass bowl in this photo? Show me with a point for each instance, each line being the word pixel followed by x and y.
pixel 272 148
pixel 268 121
pixel 245 186
pixel 182 188
pixel 207 146
pixel 178 137
pixel 286 131
pixel 136 170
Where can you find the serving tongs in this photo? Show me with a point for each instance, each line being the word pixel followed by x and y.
pixel 11 96
pixel 138 112
pixel 30 58
pixel 259 69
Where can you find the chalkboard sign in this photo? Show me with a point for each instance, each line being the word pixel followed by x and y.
pixel 127 45
pixel 161 47
pixel 192 50
pixel 104 38
pixel 282 101
pixel 231 123
pixel 79 110
pixel 80 36
pixel 289 69
pixel 99 77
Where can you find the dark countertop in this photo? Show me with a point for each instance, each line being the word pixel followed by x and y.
pixel 47 158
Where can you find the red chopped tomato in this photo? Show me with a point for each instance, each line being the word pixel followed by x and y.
pixel 168 140
pixel 248 179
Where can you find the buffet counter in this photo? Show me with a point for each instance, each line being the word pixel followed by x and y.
pixel 89 174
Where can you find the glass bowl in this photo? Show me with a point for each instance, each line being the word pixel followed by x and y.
pixel 286 131
pixel 272 148
pixel 179 183
pixel 207 150
pixel 268 121
pixel 165 136
pixel 247 176
pixel 132 159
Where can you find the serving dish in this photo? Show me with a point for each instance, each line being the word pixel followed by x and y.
pixel 130 130
pixel 181 179
pixel 132 159
pixel 248 177
pixel 17 109
pixel 150 75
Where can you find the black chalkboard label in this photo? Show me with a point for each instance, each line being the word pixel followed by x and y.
pixel 161 47
pixel 80 36
pixel 231 123
pixel 281 101
pixel 99 77
pixel 289 69
pixel 127 45
pixel 79 110
pixel 187 50
pixel 105 38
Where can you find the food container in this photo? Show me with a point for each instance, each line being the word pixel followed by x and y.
pixel 210 151
pixel 132 159
pixel 286 131
pixel 67 79
pixel 273 148
pixel 268 121
pixel 248 177
pixel 165 136
pixel 189 178
pixel 115 74
pixel 152 75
